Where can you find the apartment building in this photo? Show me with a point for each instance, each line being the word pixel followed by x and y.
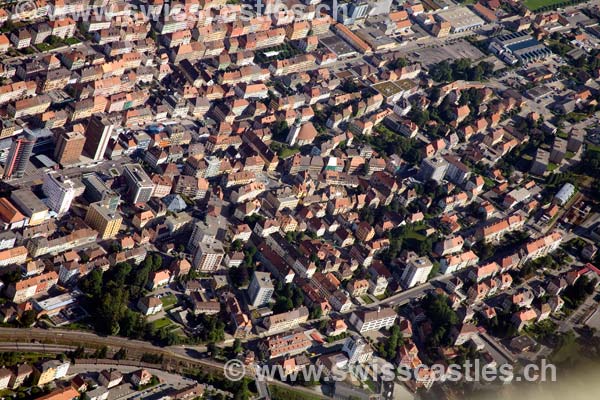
pixel 17 91
pixel 495 230
pixel 365 321
pixel 69 147
pixel 16 255
pixel 285 345
pixel 260 289
pixel 291 65
pixel 59 191
pixel 25 289
pixel 50 371
pixel 30 106
pixel 541 247
pixel 40 246
pixel 416 271
pixel 140 185
pixel 104 220
pixel 286 321
pixel 208 256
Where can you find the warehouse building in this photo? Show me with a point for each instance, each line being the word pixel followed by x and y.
pixel 461 19
pixel 519 46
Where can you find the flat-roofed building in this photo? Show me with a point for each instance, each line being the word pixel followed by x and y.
pixel 140 185
pixel 97 190
pixel 54 305
pixel 69 147
pixel 461 19
pixel 30 205
pixel 106 221
pixel 60 192
pixel 518 46
pixel 261 289
pixel 208 256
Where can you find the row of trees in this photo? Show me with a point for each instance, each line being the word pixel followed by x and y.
pixel 388 349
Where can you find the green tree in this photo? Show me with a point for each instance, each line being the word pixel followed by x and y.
pixel 92 283
pixel 102 352
pixel 237 346
pixel 283 304
pixel 28 318
pixel 121 354
pixel 157 261
pixel 316 313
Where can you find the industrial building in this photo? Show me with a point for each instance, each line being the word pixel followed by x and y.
pixel 518 46
pixel 461 19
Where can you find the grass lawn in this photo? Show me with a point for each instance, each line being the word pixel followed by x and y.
pixel 535 4
pixel 278 393
pixel 283 150
pixel 162 323
pixel 563 135
pixel 285 153
pixel 415 236
pixel 366 299
pixel 168 301
pixel 593 147
pixel 77 326
pixel 71 41
pixel 552 167
pixel 43 47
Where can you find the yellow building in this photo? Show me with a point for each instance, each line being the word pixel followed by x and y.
pixel 45 375
pixel 103 220
pixel 49 371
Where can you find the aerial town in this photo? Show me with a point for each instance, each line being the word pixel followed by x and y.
pixel 195 191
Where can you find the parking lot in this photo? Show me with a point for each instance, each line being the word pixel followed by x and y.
pixel 453 51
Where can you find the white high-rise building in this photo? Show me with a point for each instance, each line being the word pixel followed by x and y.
pixel 261 289
pixel 416 272
pixel 208 256
pixel 140 185
pixel 59 191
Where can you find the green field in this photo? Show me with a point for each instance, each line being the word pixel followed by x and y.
pixel 162 323
pixel 278 393
pixel 168 301
pixel 366 299
pixel 536 4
